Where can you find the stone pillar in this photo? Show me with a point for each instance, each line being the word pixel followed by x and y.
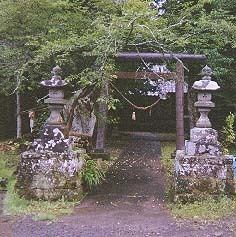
pixel 202 169
pixel 50 169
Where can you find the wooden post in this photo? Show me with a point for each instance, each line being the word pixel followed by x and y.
pixel 180 106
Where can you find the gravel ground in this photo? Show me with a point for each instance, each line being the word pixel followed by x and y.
pixel 129 203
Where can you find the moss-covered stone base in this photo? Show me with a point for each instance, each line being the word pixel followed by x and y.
pixel 49 175
pixel 197 177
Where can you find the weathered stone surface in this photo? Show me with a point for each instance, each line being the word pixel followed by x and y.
pixel 209 134
pixel 49 176
pixel 203 185
pixel 203 166
pixel 203 141
pixel 52 139
pixel 204 104
pixel 84 118
pixel 200 176
pixel 206 85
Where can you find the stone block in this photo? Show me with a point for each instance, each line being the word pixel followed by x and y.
pixel 52 140
pixel 49 175
pixel 202 166
pixel 199 176
pixel 190 148
pixel 203 141
pixel 209 135
pixel 192 185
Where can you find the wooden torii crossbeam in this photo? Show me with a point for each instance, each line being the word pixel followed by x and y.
pixel 134 56
pixel 145 75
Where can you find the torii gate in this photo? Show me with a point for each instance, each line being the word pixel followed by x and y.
pixel 178 75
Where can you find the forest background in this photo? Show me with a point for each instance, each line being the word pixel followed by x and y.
pixel 83 37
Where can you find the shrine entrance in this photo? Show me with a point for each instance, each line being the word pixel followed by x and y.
pixel 162 80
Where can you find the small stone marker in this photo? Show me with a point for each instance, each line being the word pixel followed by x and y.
pixel 50 169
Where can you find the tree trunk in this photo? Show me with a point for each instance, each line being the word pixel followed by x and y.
pixel 102 118
pixel 18 110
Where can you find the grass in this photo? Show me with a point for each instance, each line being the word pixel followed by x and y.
pixel 40 210
pixel 8 163
pixel 208 209
pixel 167 148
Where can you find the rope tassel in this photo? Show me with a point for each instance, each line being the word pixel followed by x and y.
pixel 133 116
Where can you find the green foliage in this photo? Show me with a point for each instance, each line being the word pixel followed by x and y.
pixel 22 29
pixel 40 121
pixel 92 174
pixel 228 132
pixel 167 148
pixel 209 209
pixel 60 30
pixel 204 27
pixel 63 31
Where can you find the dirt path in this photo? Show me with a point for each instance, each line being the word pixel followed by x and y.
pixel 129 203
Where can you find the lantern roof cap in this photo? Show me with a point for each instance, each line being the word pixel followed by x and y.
pixel 56 80
pixel 206 84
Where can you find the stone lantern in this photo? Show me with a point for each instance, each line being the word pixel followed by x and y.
pixel 56 99
pixel 50 169
pixel 52 137
pixel 203 138
pixel 202 169
pixel 205 87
